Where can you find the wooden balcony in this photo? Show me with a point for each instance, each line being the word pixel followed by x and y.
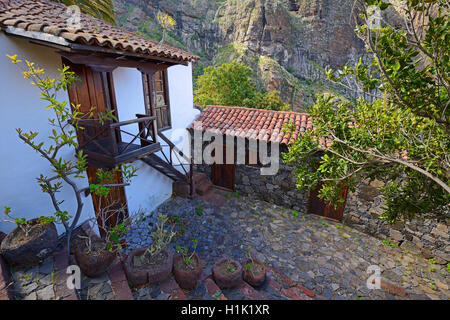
pixel 103 145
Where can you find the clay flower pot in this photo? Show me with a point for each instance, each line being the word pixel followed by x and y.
pixel 93 264
pixel 227 273
pixel 254 272
pixel 20 250
pixel 148 273
pixel 185 275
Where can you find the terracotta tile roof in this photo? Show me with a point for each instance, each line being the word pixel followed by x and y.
pixel 250 123
pixel 51 18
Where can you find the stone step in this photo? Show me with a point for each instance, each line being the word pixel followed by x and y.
pixel 215 196
pixel 203 188
pixel 181 189
pixel 199 177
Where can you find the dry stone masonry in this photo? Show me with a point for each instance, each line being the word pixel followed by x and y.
pixel 428 237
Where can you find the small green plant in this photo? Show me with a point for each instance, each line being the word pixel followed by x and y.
pixel 199 212
pixel 388 243
pixel 217 295
pixel 24 224
pixel 160 238
pixel 432 261
pixel 116 234
pixel 184 251
pixel 53 276
pixel 231 268
pixel 27 276
pixel 229 196
pixel 255 212
pixel 324 223
pixel 113 237
pixel 236 194
pixel 432 286
pixel 248 255
pixel 448 267
pixel 294 213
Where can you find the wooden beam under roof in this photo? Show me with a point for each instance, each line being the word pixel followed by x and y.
pixel 109 63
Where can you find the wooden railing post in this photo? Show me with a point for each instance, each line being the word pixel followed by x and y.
pixel 114 145
pixel 191 180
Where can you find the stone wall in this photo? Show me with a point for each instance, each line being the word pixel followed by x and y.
pixel 427 237
pixel 279 189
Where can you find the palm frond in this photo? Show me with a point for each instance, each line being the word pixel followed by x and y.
pixel 101 9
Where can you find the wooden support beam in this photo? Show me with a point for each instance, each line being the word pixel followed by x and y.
pixel 105 63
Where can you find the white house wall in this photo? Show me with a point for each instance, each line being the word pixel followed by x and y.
pixel 20 107
pixel 150 188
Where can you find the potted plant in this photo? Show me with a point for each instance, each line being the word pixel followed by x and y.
pixel 187 267
pixel 254 270
pixel 31 241
pixel 153 264
pixel 227 273
pixel 95 255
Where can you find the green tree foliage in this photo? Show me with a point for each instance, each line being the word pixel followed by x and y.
pixel 101 9
pixel 230 85
pixel 401 135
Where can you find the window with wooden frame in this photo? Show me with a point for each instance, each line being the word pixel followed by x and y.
pixel 156 98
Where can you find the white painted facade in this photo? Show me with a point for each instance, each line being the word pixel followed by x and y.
pixel 150 188
pixel 20 107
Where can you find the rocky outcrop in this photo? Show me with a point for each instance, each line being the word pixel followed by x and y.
pixel 287 43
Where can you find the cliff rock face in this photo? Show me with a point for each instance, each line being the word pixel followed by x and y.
pixel 288 43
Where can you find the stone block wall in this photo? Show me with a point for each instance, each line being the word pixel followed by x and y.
pixel 279 189
pixel 428 237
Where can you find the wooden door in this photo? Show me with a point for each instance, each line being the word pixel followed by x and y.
pixel 317 207
pixel 223 175
pixel 96 89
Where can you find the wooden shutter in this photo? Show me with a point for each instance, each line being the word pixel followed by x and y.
pixel 156 98
pixel 96 89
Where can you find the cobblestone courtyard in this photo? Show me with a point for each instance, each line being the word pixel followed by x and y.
pixel 323 259
pixel 329 258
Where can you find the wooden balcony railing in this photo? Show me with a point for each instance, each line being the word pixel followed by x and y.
pixel 102 142
pixel 182 161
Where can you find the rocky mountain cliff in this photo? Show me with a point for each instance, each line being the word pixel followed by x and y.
pixel 288 43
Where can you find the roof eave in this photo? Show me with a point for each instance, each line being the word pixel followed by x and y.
pixel 59 42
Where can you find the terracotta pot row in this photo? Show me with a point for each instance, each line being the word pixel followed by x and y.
pixel 157 273
pixel 227 273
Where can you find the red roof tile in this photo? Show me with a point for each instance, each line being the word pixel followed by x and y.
pixel 266 125
pixel 49 17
